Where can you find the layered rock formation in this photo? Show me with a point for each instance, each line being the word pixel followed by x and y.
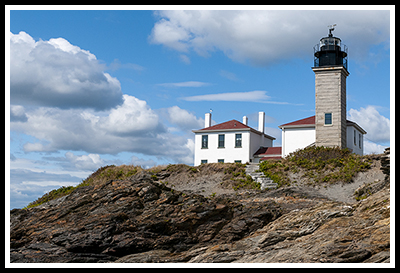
pixel 121 217
pixel 139 220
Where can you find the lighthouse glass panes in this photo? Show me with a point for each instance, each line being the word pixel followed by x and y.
pixel 330 41
pixel 330 52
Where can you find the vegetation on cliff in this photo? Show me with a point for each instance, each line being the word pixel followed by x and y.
pixel 212 213
pixel 234 176
pixel 318 164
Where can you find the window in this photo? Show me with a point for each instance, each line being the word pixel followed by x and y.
pixel 328 118
pixel 238 161
pixel 221 141
pixel 220 161
pixel 359 140
pixel 355 138
pixel 203 161
pixel 238 140
pixel 204 142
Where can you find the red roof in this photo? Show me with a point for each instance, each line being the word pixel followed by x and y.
pixel 232 124
pixel 311 121
pixel 268 151
pixel 271 157
pixel 304 121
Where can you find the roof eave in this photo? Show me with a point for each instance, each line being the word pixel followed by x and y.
pixel 220 130
pixel 233 130
pixel 352 123
pixel 296 126
pixel 259 133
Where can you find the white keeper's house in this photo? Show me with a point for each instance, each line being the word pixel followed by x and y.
pixel 235 141
pixel 231 141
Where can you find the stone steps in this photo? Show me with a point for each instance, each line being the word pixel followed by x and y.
pixel 266 182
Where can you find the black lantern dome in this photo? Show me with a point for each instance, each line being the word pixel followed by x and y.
pixel 330 51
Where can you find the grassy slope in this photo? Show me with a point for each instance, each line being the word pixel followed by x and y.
pixel 234 176
pixel 318 165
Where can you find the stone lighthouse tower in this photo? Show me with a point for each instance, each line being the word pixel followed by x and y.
pixel 330 68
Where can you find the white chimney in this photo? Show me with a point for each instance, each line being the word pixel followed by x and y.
pixel 207 122
pixel 245 120
pixel 261 121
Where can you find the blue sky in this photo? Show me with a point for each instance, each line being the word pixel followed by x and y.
pixel 99 87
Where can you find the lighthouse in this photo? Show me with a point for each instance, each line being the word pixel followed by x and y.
pixel 330 68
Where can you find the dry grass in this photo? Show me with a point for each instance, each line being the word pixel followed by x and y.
pixel 318 165
pixel 232 175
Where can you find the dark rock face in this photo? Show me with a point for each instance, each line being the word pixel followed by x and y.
pixel 139 220
pixel 329 232
pixel 385 162
pixel 122 217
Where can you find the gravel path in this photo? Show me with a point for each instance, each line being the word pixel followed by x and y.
pixel 344 192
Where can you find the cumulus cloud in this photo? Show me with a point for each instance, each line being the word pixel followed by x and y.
pixel 265 37
pixel 17 113
pixel 58 74
pixel 373 148
pixel 134 117
pixel 85 162
pixel 376 125
pixel 183 119
pixel 131 127
pixel 108 132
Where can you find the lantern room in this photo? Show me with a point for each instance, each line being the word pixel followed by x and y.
pixel 330 51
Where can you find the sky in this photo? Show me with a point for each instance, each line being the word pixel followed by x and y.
pixel 89 88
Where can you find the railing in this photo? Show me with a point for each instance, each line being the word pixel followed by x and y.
pixel 343 48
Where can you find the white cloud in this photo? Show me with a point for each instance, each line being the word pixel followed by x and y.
pixel 170 34
pixel 17 113
pixel 185 120
pixel 27 185
pixel 253 96
pixel 373 148
pixel 184 84
pixel 376 125
pixel 124 128
pixel 131 127
pixel 133 117
pixel 264 37
pixel 142 162
pixel 85 162
pixel 58 74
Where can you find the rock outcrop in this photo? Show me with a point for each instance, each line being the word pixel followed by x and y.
pixel 140 220
pixel 121 217
pixel 331 232
pixel 385 161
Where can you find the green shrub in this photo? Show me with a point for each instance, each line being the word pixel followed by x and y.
pixel 319 164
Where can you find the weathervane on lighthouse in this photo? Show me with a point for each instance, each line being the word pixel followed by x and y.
pixel 331 28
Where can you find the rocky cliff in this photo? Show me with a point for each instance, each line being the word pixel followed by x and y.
pixel 140 220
